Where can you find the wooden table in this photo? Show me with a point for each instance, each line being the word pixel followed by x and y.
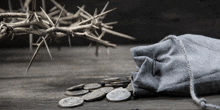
pixel 47 79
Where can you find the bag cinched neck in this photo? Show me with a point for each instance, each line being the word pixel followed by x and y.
pixel 199 101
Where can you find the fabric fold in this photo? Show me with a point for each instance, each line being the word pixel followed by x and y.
pixel 163 67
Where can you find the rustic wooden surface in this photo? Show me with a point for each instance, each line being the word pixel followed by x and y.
pixel 47 80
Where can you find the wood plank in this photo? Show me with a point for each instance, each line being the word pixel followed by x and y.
pixel 47 79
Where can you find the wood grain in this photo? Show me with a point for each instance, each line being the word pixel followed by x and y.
pixel 48 79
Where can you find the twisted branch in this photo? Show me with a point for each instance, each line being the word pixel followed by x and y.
pixel 56 25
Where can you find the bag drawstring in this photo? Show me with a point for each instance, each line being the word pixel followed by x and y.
pixel 201 101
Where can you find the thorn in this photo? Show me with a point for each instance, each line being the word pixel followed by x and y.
pixel 104 10
pixel 31 38
pixel 47 16
pixel 118 34
pixel 95 26
pixel 27 12
pixel 29 17
pixel 53 9
pixel 54 13
pixel 105 7
pixel 35 53
pixel 106 26
pixel 97 16
pixel 111 23
pixel 59 6
pixel 89 46
pixel 107 12
pixel 95 12
pixel 82 7
pixel 36 16
pixel 95 39
pixel 102 34
pixel 38 40
pixel 84 11
pixel 59 16
pixel 48 50
pixel 69 39
pixel 95 20
pixel 96 33
pixel 12 37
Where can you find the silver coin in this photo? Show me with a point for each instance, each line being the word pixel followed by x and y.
pixel 94 95
pixel 92 86
pixel 120 84
pixel 76 92
pixel 108 85
pixel 103 83
pixel 77 87
pixel 119 94
pixel 107 80
pixel 70 102
pixel 129 87
pixel 106 89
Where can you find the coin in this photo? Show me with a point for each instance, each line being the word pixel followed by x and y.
pixel 76 92
pixel 70 102
pixel 106 89
pixel 129 87
pixel 94 95
pixel 108 85
pixel 111 79
pixel 92 86
pixel 120 83
pixel 119 94
pixel 102 83
pixel 117 85
pixel 77 87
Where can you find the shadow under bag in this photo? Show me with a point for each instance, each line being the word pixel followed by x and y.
pixel 186 65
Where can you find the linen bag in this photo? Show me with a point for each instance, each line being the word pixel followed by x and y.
pixel 178 65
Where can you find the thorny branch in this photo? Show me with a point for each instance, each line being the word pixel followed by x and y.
pixel 57 23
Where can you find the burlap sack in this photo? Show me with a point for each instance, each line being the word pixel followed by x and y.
pixel 178 65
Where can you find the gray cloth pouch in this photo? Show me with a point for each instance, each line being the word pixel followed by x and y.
pixel 186 65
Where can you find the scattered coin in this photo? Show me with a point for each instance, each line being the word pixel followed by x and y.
pixel 129 87
pixel 119 94
pixel 103 83
pixel 108 85
pixel 106 89
pixel 111 79
pixel 70 102
pixel 94 95
pixel 77 87
pixel 92 86
pixel 76 92
pixel 120 83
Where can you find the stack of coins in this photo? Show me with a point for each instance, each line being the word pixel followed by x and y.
pixel 114 89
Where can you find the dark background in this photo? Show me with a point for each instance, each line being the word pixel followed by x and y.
pixel 147 20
